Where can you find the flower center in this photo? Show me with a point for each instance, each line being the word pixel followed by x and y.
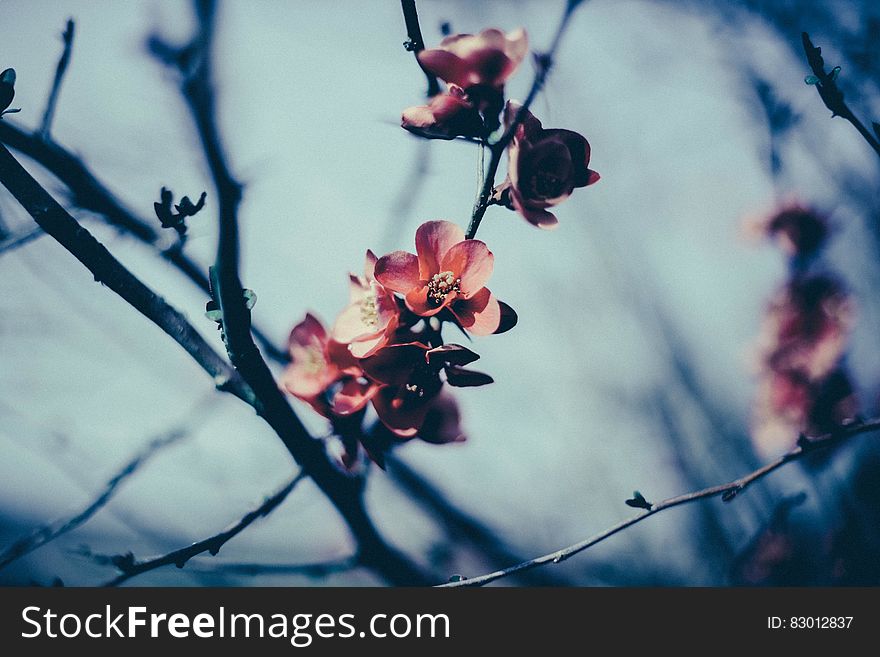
pixel 441 285
pixel 546 184
pixel 313 360
pixel 370 309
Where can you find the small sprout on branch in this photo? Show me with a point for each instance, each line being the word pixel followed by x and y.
pixel 212 308
pixel 7 91
pixel 638 501
pixel 728 495
pixel 186 208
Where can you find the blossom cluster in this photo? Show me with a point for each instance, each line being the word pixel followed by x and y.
pixel 544 165
pixel 804 387
pixel 386 347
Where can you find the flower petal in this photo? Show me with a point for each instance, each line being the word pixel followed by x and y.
pixel 417 301
pixel 480 315
pixel 536 216
pixel 400 411
pixel 472 262
pixel 394 365
pixel 433 240
pixel 398 271
pixel 350 324
pixel 310 331
pixel 353 396
pixel 445 65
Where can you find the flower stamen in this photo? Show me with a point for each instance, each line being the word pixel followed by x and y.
pixel 441 285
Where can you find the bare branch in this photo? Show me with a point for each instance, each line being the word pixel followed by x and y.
pixel 416 43
pixel 832 96
pixel 130 567
pixel 460 525
pixel 543 63
pixel 317 570
pixel 55 220
pixel 726 491
pixel 13 242
pixel 67 38
pixel 50 531
pixel 193 61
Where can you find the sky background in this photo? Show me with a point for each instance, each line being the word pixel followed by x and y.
pixel 647 266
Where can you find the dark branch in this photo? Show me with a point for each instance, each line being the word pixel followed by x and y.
pixel 55 220
pixel 67 37
pixel 831 94
pixel 130 567
pixel 416 43
pixel 726 491
pixel 317 570
pixel 194 64
pixel 49 532
pixel 13 242
pixel 543 63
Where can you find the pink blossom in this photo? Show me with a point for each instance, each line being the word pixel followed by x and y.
pixel 807 326
pixel 803 387
pixel 370 319
pixel 449 272
pixel 323 373
pixel 545 167
pixel 488 58
pixel 446 116
pixel 798 229
pixel 409 376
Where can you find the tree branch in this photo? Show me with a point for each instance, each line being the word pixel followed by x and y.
pixel 50 531
pixel 416 43
pixel 67 38
pixel 315 570
pixel 130 567
pixel 832 96
pixel 461 526
pixel 55 220
pixel 91 194
pixel 194 63
pixel 13 242
pixel 543 63
pixel 727 492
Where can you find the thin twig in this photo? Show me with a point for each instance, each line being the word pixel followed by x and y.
pixel 130 567
pixel 107 270
pixel 67 37
pixel 727 492
pixel 13 242
pixel 832 96
pixel 416 43
pixel 317 570
pixel 461 526
pixel 90 193
pixel 194 63
pixel 543 63
pixel 50 531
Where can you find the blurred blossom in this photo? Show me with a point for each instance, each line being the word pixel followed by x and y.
pixel 323 373
pixel 797 229
pixel 803 387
